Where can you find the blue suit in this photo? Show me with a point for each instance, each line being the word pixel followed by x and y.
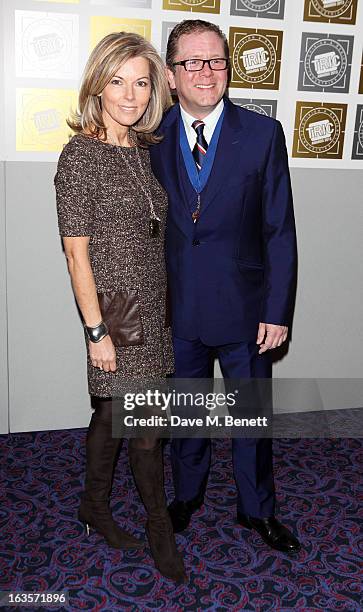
pixel 232 270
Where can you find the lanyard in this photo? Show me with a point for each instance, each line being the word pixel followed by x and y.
pixel 199 179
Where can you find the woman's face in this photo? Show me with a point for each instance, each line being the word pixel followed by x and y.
pixel 126 97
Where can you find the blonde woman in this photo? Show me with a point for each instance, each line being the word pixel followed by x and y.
pixel 111 214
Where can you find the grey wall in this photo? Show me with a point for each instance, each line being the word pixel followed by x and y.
pixel 4 398
pixel 328 330
pixel 327 334
pixel 3 325
pixel 47 377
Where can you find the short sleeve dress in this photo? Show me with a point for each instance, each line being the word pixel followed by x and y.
pixel 98 195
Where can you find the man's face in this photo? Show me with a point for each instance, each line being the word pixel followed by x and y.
pixel 199 92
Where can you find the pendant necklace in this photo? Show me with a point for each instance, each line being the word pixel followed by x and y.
pixel 154 221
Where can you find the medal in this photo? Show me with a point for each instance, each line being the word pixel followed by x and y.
pixel 196 213
pixel 154 227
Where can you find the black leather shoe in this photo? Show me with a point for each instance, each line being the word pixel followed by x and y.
pixel 272 532
pixel 181 512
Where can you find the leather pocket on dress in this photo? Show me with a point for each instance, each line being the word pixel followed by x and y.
pixel 121 313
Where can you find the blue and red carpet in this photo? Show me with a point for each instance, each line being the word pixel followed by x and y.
pixel 45 548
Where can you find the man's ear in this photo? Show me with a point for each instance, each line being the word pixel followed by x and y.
pixel 170 77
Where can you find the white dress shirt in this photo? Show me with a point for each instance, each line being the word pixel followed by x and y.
pixel 210 121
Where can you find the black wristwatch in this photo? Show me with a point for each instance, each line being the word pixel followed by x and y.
pixel 97 333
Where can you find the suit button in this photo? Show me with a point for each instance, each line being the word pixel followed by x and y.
pixel 196 242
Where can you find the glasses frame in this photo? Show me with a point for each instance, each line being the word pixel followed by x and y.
pixel 205 61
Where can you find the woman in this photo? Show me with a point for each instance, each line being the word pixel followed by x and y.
pixel 111 214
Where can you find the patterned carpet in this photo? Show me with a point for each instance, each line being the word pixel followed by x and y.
pixel 44 547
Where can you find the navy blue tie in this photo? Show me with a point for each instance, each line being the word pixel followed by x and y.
pixel 201 146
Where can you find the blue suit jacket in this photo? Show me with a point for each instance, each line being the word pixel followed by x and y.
pixel 237 265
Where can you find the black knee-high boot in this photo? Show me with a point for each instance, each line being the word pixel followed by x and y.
pixel 148 470
pixel 101 452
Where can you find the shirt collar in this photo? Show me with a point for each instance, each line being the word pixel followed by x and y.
pixel 210 122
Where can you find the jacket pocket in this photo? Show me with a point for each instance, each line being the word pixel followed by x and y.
pixel 121 313
pixel 250 264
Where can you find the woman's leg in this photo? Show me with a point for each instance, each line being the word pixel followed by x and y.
pixel 101 454
pixel 146 460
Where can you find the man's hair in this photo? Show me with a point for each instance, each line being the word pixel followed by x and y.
pixel 191 26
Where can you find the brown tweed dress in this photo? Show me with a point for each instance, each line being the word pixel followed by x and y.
pixel 98 196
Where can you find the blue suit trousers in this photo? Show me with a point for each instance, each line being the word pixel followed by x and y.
pixel 252 457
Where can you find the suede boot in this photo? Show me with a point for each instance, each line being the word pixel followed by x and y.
pixel 94 511
pixel 148 470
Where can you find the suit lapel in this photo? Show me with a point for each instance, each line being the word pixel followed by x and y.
pixel 230 143
pixel 172 159
pixel 232 140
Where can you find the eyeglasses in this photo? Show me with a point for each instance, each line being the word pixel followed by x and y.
pixel 195 65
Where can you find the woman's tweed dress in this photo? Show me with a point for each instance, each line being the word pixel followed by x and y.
pixel 98 196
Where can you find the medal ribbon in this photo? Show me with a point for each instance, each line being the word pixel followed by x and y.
pixel 199 179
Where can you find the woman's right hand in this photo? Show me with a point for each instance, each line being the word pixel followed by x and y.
pixel 103 354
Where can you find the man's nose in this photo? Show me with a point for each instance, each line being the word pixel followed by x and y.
pixel 206 70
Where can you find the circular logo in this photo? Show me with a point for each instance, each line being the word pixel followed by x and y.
pixel 259 6
pixel 42 122
pixel 46 44
pixel 255 108
pixel 193 2
pixel 339 7
pixel 325 62
pixel 254 58
pixel 319 130
pixel 360 133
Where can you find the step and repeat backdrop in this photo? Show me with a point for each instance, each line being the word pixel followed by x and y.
pixel 297 60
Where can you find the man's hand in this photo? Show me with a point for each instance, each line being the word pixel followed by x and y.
pixel 270 336
pixel 103 354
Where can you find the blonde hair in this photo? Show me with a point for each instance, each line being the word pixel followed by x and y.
pixel 103 63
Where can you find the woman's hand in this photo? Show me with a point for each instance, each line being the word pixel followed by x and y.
pixel 103 354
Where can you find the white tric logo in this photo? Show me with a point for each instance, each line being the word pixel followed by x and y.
pixel 47 120
pixel 326 64
pixel 255 60
pixel 331 3
pixel 47 45
pixel 320 131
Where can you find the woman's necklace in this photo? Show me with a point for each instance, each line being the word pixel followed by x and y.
pixel 154 221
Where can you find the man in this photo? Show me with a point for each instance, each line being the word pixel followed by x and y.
pixel 231 258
